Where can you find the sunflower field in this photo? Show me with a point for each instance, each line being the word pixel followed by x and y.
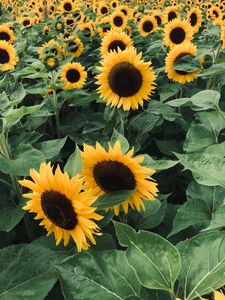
pixel 112 150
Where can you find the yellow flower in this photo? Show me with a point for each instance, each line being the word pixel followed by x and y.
pixel 112 171
pixel 73 75
pixel 64 210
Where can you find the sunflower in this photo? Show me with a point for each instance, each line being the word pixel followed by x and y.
pixel 112 171
pixel 223 36
pixel 217 296
pixel 59 26
pixel 63 208
pixel 114 4
pixel 51 47
pixel 70 22
pixel 26 21
pixel 177 52
pixel 46 30
pixel 158 16
pixel 114 40
pixel 170 13
pixel 87 29
pixel 124 9
pixel 8 56
pixel 6 34
pixel 75 47
pixel 104 26
pixel 195 18
pixel 103 8
pixel 176 32
pixel 51 62
pixel 118 20
pixel 125 79
pixel 147 25
pixel 73 75
pixel 79 16
pixel 67 6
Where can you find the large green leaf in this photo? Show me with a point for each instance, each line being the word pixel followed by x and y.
pixel 155 260
pixel 26 272
pixel 51 148
pixel 116 136
pixel 26 159
pixel 98 275
pixel 203 264
pixel 203 202
pixel 158 164
pixel 74 163
pixel 207 99
pixel 208 168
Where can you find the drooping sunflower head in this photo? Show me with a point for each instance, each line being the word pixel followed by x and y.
pixel 6 34
pixel 52 47
pixel 114 40
pixel 73 75
pixel 64 210
pixel 195 18
pixel 147 25
pixel 75 47
pixel 59 25
pixel 125 80
pixel 113 171
pixel 176 32
pixel 118 20
pixel 46 29
pixel 8 56
pixel 51 62
pixel 176 53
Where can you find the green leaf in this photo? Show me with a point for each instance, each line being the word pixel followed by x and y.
pixel 202 202
pixel 98 275
pixel 203 100
pixel 51 148
pixel 159 108
pixel 215 69
pixel 218 220
pixel 213 121
pixel 160 164
pixel 74 163
pixel 26 272
pixel 169 90
pixel 116 136
pixel 5 104
pixel 111 199
pixel 198 137
pixel 18 96
pixel 203 264
pixel 27 158
pixel 155 260
pixel 208 168
pixel 187 63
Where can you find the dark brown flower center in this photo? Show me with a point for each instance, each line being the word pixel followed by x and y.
pixel 73 47
pixel 118 21
pixel 87 32
pixel 4 56
pixel 147 26
pixel 26 23
pixel 114 4
pixel 4 36
pixel 70 22
pixel 104 10
pixel 172 15
pixel 114 45
pixel 193 19
pixel 73 75
pixel 113 176
pixel 125 80
pixel 158 20
pixel 124 11
pixel 67 7
pixel 177 35
pixel 77 16
pixel 59 210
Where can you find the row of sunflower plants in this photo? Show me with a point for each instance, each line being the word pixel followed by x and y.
pixel 112 169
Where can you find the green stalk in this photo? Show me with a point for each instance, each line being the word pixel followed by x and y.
pixel 4 148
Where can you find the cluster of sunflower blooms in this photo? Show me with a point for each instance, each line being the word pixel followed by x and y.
pixel 125 79
pixel 66 205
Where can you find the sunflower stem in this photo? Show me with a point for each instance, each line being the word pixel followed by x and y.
pixel 56 105
pixel 4 148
